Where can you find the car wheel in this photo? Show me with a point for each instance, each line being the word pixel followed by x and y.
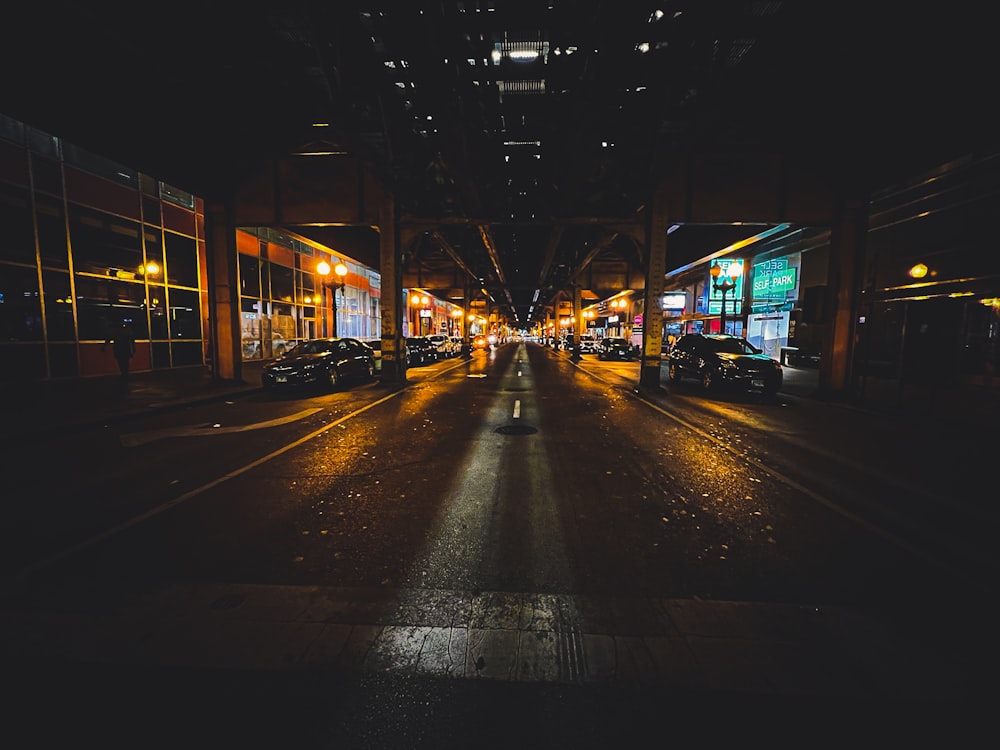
pixel 333 377
pixel 707 380
pixel 673 373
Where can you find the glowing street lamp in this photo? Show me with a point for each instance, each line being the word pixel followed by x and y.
pixel 323 269
pixel 722 281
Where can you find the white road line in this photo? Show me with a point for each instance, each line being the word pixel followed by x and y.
pixel 517 409
pixel 133 439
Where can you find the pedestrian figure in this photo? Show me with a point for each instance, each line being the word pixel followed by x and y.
pixel 123 346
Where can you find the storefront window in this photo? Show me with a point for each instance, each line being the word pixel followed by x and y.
pixel 250 328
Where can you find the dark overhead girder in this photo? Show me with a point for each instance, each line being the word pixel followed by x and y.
pixel 526 152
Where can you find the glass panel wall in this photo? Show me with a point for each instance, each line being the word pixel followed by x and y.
pixel 75 261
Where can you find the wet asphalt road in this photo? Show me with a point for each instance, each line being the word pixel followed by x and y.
pixel 517 477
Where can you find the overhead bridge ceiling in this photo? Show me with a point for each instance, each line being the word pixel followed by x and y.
pixel 523 139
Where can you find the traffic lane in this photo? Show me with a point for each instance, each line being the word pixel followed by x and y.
pixel 873 466
pixel 828 450
pixel 942 459
pixel 780 541
pixel 925 489
pixel 605 497
pixel 605 502
pixel 343 457
pixel 102 476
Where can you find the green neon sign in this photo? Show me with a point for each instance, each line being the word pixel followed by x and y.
pixel 773 278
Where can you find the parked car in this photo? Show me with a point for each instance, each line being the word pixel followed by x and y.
pixel 588 343
pixel 723 361
pixel 614 347
pixel 376 345
pixel 457 344
pixel 422 351
pixel 322 363
pixel 443 345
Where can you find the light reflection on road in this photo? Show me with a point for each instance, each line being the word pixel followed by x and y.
pixel 466 541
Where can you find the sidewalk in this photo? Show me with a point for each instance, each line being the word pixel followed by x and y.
pixel 39 407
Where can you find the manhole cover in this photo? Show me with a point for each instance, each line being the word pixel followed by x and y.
pixel 516 429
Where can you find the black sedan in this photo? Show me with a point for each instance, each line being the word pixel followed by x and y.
pixel 614 347
pixel 422 350
pixel 322 363
pixel 723 361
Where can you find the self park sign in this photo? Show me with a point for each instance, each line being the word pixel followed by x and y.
pixel 773 278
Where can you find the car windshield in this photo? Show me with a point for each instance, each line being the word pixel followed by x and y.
pixel 732 346
pixel 312 347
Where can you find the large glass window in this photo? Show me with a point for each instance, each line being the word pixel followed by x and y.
pixel 250 328
pixel 20 311
pixel 58 306
pixel 104 244
pixel 282 283
pixel 185 314
pixel 17 241
pixel 102 303
pixel 154 255
pixel 249 276
pixel 182 260
pixel 158 312
pixel 151 210
pixel 283 330
pixel 46 175
pixel 51 232
pixel 265 279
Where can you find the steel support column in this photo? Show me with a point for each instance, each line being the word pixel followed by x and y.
pixel 223 330
pixel 652 310
pixel 391 270
pixel 844 271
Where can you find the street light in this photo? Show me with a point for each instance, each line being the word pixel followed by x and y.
pixel 722 281
pixel 323 269
pixel 422 304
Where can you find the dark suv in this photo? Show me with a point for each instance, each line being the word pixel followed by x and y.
pixel 723 361
pixel 614 347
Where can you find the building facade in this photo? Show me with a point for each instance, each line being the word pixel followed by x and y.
pixel 89 244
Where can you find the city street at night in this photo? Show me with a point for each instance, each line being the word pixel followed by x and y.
pixel 515 546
